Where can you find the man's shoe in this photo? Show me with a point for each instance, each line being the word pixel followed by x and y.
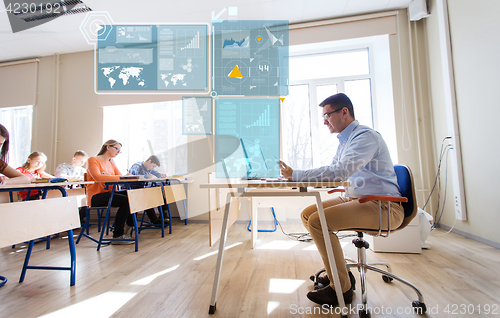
pixel 123 237
pixel 324 281
pixel 328 296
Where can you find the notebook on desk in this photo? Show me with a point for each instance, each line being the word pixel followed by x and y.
pixel 47 180
pixel 40 180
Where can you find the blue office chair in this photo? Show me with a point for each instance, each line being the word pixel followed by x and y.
pixel 409 202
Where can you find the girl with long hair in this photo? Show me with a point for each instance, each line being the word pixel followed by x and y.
pixel 9 174
pixel 103 168
pixel 34 168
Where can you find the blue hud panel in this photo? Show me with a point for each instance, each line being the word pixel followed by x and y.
pixel 251 57
pixel 160 58
pixel 196 115
pixel 257 123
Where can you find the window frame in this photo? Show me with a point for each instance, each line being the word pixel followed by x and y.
pixel 315 111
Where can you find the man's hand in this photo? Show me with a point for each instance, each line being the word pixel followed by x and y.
pixel 286 171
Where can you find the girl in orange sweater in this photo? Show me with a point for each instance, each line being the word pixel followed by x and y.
pixel 102 168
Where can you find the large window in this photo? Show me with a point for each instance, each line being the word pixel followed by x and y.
pixel 319 71
pixel 19 122
pixel 146 129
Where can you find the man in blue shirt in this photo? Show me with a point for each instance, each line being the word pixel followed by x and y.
pixel 147 169
pixel 363 159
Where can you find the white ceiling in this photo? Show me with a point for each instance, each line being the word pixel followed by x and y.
pixel 63 35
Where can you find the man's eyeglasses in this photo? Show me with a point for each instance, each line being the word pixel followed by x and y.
pixel 327 115
pixel 117 149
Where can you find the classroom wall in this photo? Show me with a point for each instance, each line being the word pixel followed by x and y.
pixel 475 47
pixel 68 114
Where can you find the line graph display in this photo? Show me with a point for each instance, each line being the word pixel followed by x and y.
pixel 232 44
pixel 259 49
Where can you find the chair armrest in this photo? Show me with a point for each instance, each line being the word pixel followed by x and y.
pixel 335 190
pixel 390 198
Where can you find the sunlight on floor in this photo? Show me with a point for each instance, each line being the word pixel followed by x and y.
pixel 310 248
pixel 103 305
pixel 284 286
pixel 150 278
pixel 215 252
pixel 314 248
pixel 278 245
pixel 272 305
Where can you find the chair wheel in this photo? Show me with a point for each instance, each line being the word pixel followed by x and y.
pixel 421 306
pixel 364 314
pixel 387 279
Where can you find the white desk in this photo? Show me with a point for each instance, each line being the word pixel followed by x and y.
pixel 72 221
pixel 241 186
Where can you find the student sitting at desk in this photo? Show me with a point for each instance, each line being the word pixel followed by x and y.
pixel 102 168
pixel 73 171
pixel 147 169
pixel 363 159
pixel 34 168
pixel 13 176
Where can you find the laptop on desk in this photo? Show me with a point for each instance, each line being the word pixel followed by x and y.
pixel 257 168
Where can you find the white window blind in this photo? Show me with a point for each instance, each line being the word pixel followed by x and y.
pixel 18 83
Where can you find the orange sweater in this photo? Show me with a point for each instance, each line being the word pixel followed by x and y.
pixel 95 170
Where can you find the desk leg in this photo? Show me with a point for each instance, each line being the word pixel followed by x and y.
pixel 136 231
pixel 220 255
pixel 26 260
pixel 72 253
pixel 255 228
pixel 331 258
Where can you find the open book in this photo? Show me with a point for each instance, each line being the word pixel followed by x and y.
pixel 46 180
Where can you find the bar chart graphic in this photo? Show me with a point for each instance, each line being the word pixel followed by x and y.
pixel 263 119
pixel 188 43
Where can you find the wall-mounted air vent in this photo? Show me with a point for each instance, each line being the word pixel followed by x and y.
pixel 23 16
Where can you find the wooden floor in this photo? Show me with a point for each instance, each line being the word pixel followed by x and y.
pixel 173 276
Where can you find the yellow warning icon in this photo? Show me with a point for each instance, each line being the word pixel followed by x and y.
pixel 235 72
pixel 259 39
pixel 282 99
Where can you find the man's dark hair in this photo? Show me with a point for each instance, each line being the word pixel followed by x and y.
pixel 339 101
pixel 154 159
